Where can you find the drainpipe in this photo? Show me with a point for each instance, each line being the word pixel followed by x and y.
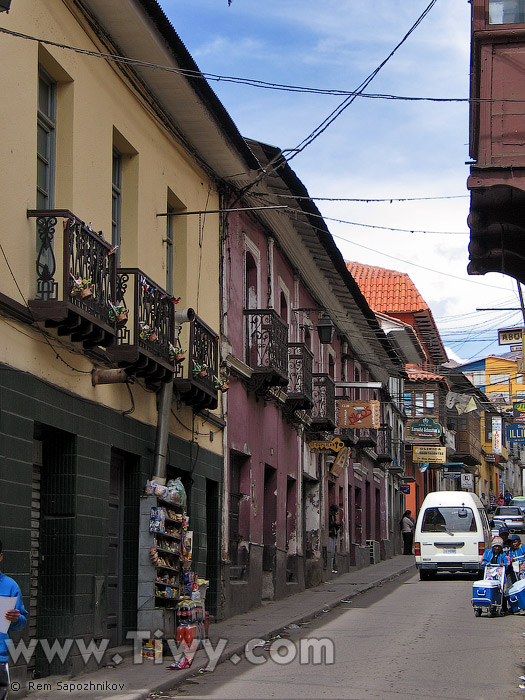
pixel 165 397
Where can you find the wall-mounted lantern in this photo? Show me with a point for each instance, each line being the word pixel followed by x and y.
pixel 325 330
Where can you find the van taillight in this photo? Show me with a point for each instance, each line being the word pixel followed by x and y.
pixel 417 549
pixel 481 548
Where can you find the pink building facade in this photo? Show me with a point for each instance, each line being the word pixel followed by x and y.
pixel 283 462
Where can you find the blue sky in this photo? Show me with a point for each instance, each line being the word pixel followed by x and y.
pixel 377 148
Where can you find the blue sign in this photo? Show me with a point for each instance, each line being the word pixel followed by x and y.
pixel 516 433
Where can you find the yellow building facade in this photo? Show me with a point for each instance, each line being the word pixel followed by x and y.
pixel 109 297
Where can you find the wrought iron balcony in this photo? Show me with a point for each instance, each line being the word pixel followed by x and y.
pixel 398 461
pixel 75 279
pixel 145 320
pixel 197 375
pixel 347 435
pixel 383 447
pixel 266 349
pixel 323 411
pixel 300 389
pixel 366 437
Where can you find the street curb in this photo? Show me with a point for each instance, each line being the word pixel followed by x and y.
pixel 239 649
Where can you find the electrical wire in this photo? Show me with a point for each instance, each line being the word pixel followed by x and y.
pixel 323 126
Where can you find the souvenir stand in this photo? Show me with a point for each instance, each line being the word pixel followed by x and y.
pixel 170 597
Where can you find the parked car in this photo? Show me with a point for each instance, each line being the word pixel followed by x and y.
pixel 495 526
pixel 520 502
pixel 512 517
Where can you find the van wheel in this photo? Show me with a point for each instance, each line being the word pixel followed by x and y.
pixel 424 575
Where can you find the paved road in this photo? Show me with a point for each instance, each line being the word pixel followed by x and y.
pixel 407 639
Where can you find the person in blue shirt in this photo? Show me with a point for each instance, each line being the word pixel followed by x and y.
pixel 516 548
pixel 17 617
pixel 495 555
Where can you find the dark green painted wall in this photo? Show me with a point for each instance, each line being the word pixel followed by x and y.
pixel 79 437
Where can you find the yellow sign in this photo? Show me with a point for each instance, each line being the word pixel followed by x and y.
pixel 429 453
pixel 340 462
pixel 323 445
pixel 358 414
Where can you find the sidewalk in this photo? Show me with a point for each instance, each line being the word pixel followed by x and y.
pixel 135 681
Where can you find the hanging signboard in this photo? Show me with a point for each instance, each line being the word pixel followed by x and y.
pixel 358 414
pixel 516 433
pixel 340 462
pixel 509 336
pixel 429 453
pixel 518 411
pixel 496 434
pixel 425 428
pixel 321 446
pixel 405 488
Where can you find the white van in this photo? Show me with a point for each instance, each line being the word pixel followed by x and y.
pixel 452 533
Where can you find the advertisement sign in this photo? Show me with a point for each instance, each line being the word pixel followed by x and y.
pixel 341 461
pixel 429 453
pixel 518 411
pixel 496 434
pixel 320 446
pixel 405 488
pixel 516 433
pixel 509 336
pixel 425 428
pixel 358 414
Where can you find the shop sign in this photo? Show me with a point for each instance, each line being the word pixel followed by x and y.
pixel 358 414
pixel 496 434
pixel 340 462
pixel 518 411
pixel 425 428
pixel 429 453
pixel 405 488
pixel 336 445
pixel 516 433
pixel 509 336
pixel 452 475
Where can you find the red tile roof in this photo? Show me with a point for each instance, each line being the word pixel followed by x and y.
pixel 415 372
pixel 387 291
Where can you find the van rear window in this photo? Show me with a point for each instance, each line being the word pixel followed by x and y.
pixel 454 519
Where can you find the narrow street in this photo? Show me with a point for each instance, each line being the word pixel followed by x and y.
pixel 406 639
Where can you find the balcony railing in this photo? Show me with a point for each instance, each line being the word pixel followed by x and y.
pixel 366 437
pixel 323 411
pixel 398 462
pixel 383 447
pixel 197 376
pixel 347 435
pixel 300 389
pixel 75 278
pixel 146 335
pixel 266 349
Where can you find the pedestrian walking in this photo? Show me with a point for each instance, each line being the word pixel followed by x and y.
pixel 17 617
pixel 492 501
pixel 484 501
pixel 334 525
pixel 407 530
pixel 508 497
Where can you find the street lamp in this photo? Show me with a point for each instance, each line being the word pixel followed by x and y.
pixel 325 330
